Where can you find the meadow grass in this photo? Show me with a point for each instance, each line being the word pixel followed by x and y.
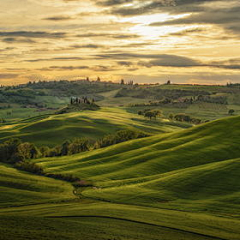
pixel 51 130
pixel 180 185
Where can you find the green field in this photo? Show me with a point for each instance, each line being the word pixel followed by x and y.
pixel 182 182
pixel 179 185
pixel 31 100
pixel 55 129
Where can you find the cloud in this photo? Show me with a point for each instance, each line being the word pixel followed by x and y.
pixel 7 49
pixel 125 63
pixel 233 64
pixel 165 60
pixel 168 60
pixel 8 75
pixel 58 18
pixel 180 62
pixel 107 35
pixel 97 68
pixel 223 13
pixel 126 55
pixel 188 32
pixel 63 68
pixel 53 59
pixel 228 18
pixel 144 7
pixel 86 46
pixel 33 34
pixel 101 68
pixel 18 40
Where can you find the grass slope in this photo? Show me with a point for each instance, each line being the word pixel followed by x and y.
pixel 195 170
pixel 55 129
pixel 181 185
pixel 20 188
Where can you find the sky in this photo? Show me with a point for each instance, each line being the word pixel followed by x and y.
pixel 147 41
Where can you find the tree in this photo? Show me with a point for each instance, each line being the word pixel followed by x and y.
pixel 78 145
pixel 65 148
pixel 157 113
pixel 149 115
pixel 231 112
pixel 152 114
pixel 122 82
pixel 9 151
pixel 27 151
pixel 171 116
pixel 182 117
pixel 44 151
pixel 30 167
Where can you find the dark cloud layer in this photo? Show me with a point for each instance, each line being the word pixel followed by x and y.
pixel 107 35
pixel 18 40
pixel 58 18
pixel 227 17
pixel 33 34
pixel 54 59
pixel 96 68
pixel 168 60
pixel 64 68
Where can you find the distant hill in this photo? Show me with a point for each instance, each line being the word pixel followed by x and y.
pixel 54 129
pixel 45 97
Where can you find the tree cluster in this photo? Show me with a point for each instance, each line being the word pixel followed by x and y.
pixel 14 150
pixel 77 100
pixel 182 117
pixel 118 137
pixel 147 92
pixel 148 113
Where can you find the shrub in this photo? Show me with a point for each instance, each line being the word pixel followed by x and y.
pixel 9 151
pixel 182 117
pixel 83 183
pixel 152 113
pixel 64 177
pixel 27 151
pixel 78 145
pixel 30 167
pixel 231 112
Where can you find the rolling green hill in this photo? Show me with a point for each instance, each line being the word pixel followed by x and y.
pixel 180 185
pixel 20 188
pixel 55 129
pixel 177 168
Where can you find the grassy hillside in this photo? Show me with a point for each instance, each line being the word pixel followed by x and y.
pixel 55 129
pixel 20 188
pixel 46 209
pixel 179 186
pixel 194 168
